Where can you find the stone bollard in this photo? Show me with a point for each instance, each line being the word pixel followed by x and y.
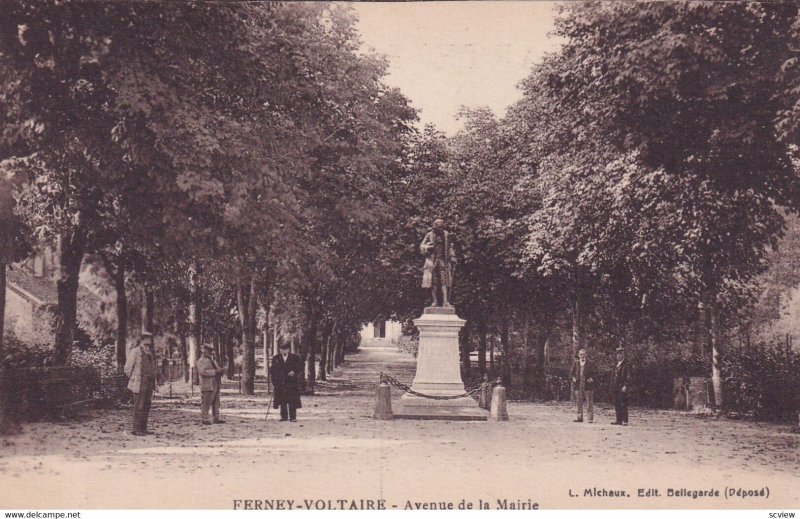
pixel 485 394
pixel 383 401
pixel 498 411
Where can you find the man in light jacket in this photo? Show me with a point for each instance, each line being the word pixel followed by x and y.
pixel 210 375
pixel 140 369
pixel 583 375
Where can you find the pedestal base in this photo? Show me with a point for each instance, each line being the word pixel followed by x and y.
pixel 418 408
pixel 438 372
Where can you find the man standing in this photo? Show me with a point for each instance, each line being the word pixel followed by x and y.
pixel 285 372
pixel 583 373
pixel 438 270
pixel 620 383
pixel 141 371
pixel 210 375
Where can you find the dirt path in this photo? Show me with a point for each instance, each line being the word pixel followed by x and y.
pixel 337 451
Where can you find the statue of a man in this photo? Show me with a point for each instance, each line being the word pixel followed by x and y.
pixel 440 256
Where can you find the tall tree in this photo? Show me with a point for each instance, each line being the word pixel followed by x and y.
pixel 687 86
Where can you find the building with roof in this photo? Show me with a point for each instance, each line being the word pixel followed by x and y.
pixel 31 297
pixel 381 333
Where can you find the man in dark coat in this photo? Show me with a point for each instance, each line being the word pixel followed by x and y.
pixel 620 385
pixel 583 374
pixel 285 371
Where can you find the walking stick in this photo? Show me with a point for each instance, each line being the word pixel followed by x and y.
pixel 272 402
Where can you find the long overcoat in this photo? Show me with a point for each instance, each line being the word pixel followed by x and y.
pixel 287 389
pixel 140 368
pixel 427 247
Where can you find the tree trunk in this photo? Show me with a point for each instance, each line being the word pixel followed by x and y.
pixel 482 347
pixel 538 336
pixel 266 350
pixel 464 338
pixel 201 331
pixel 193 322
pixel 505 343
pixel 217 343
pixel 339 353
pixel 324 356
pixel 73 245
pixel 526 329
pixel 311 350
pixel 331 347
pixel 231 360
pixel 247 302
pixel 222 351
pixel 717 353
pixel 702 339
pixel 122 318
pixel 491 354
pixel 184 354
pixel 2 307
pixel 577 312
pixel 147 311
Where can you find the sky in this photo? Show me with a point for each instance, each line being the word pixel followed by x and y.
pixel 444 55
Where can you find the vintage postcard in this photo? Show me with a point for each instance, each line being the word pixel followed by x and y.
pixel 399 256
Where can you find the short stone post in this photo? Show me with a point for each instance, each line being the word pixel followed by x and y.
pixel 383 401
pixel 485 394
pixel 498 412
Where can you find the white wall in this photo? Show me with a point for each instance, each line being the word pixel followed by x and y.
pixel 393 332
pixel 19 316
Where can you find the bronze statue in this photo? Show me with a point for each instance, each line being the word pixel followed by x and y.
pixel 440 256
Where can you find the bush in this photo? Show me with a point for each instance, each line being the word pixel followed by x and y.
pixel 102 359
pixel 763 382
pixel 18 354
pixel 31 394
pixel 653 374
pixel 407 344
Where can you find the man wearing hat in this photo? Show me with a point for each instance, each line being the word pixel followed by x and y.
pixel 583 373
pixel 210 375
pixel 620 384
pixel 285 372
pixel 140 369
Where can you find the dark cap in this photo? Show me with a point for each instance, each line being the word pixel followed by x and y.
pixel 208 347
pixel 285 346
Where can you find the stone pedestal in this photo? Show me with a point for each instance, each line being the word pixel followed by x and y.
pixel 438 371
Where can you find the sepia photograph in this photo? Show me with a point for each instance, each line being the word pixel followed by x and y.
pixel 331 256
